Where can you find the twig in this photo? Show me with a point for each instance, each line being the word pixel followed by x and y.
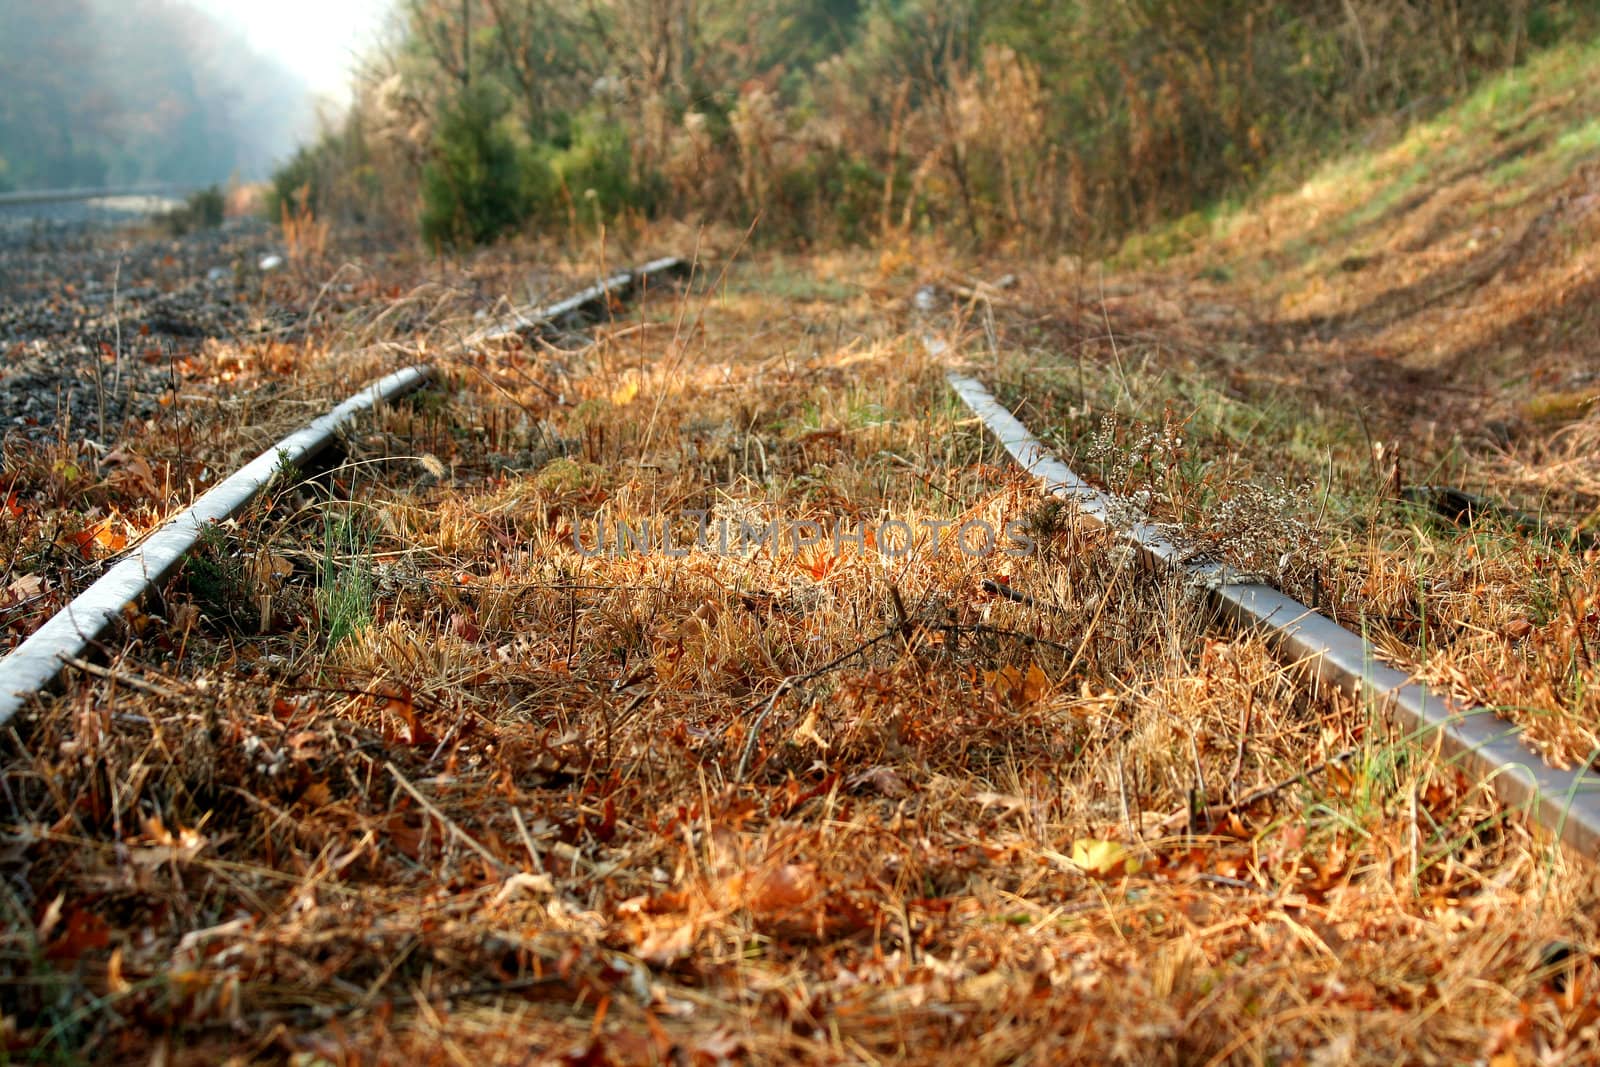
pixel 761 720
pixel 902 622
pixel 121 679
pixel 445 820
pixel 907 630
pixel 788 684
pixel 527 840
pixel 1226 882
pixel 1015 635
pixel 1217 812
pixel 998 588
pixel 354 1005
pixel 1238 756
pixel 1122 795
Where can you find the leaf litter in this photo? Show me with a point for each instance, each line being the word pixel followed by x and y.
pixel 821 806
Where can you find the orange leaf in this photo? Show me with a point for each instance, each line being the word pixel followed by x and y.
pixel 819 567
pixel 784 888
pixel 84 932
pixel 109 537
pixel 411 731
pixel 1013 685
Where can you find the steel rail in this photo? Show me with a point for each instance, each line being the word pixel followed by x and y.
pixel 35 664
pixel 61 196
pixel 1485 746
pixel 580 303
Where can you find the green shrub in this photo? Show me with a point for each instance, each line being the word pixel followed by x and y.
pixel 593 163
pixel 215 574
pixel 202 210
pixel 296 184
pixel 478 186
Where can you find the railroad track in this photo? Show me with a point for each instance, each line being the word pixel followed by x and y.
pixel 542 773
pixel 156 191
pixel 71 632
pixel 1564 802
pixel 110 205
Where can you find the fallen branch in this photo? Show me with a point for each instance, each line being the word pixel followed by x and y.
pixel 1215 813
pixel 1465 509
pixel 767 705
pixel 998 588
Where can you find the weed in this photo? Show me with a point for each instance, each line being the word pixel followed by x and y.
pixel 217 576
pixel 345 584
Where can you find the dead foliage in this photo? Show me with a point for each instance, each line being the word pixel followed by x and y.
pixel 461 790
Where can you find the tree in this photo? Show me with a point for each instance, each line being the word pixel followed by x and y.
pixel 476 186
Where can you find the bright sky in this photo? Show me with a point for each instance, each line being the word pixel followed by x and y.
pixel 319 40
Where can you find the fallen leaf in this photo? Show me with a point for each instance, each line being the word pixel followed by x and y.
pixel 881 780
pixel 83 931
pixel 807 731
pixel 464 626
pixel 820 566
pixel 132 471
pixel 1018 687
pixel 524 884
pixel 411 731
pixel 720 1046
pixel 316 795
pixel 666 943
pixel 625 393
pixel 1010 802
pixel 1102 859
pixel 158 845
pixel 784 888
pixel 29 585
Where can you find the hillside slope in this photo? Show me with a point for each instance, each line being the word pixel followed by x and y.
pixel 1376 390
pixel 1464 255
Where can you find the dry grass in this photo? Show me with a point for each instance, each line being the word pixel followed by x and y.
pixel 1418 316
pixel 528 804
pixel 69 507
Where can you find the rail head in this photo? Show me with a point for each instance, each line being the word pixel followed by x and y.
pixel 585 301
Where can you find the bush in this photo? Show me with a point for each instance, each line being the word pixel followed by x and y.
pixel 855 189
pixel 296 186
pixel 478 186
pixel 1006 120
pixel 203 210
pixel 593 163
